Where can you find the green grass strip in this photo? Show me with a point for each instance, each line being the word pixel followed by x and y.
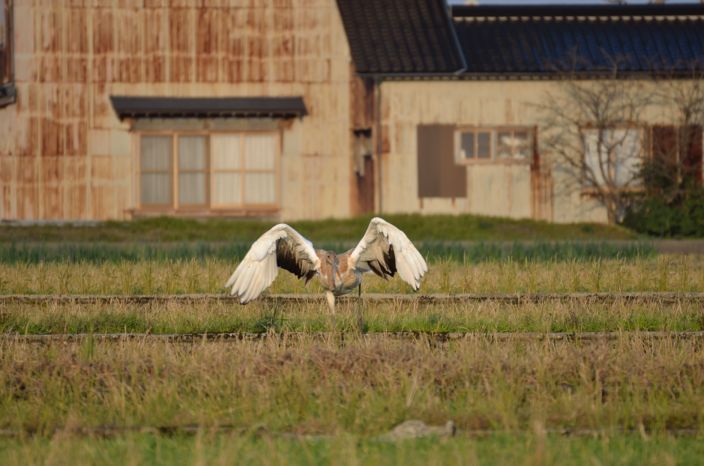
pixel 342 449
pixel 418 227
pixel 100 252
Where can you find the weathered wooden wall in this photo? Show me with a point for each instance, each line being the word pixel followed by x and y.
pixel 65 155
pixel 500 189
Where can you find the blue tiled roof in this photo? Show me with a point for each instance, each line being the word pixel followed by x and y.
pixel 591 39
pixel 544 46
pixel 397 38
pixel 401 37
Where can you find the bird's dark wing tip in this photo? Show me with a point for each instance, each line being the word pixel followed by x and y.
pixel 287 260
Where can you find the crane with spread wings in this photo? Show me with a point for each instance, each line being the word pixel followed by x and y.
pixel 383 250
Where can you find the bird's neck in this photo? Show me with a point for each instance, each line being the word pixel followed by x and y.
pixel 328 268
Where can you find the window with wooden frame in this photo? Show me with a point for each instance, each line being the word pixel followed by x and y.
pixel 192 171
pixel 197 172
pixel 676 156
pixel 613 156
pixel 501 143
pixel 7 87
pixel 156 153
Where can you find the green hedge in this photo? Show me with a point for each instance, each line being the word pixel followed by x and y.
pixel 96 252
pixel 417 227
pixel 655 216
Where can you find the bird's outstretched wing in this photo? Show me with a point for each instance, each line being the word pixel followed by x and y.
pixel 384 250
pixel 282 246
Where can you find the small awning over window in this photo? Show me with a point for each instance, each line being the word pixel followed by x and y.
pixel 208 107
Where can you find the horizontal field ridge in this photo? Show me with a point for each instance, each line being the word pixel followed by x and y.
pixel 508 298
pixel 434 336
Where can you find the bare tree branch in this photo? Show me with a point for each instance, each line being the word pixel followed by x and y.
pixel 592 131
pixel 595 133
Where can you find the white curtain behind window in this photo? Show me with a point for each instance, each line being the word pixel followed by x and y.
pixel 225 151
pixel 259 188
pixel 226 163
pixel 260 164
pixel 155 165
pixel 260 151
pixel 192 170
pixel 624 147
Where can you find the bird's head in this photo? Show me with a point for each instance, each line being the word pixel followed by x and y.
pixel 327 257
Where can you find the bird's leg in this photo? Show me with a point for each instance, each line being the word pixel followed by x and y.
pixel 330 298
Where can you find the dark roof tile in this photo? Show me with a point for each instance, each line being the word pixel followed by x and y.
pixel 417 37
pixel 545 45
pixel 603 10
pixel 203 107
pixel 401 37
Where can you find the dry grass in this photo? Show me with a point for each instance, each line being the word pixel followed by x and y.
pixel 304 385
pixel 661 273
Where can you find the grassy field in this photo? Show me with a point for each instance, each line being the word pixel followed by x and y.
pixel 299 398
pixel 656 273
pixel 308 401
pixel 436 227
pixel 458 238
pixel 219 449
pixel 100 251
pixel 487 317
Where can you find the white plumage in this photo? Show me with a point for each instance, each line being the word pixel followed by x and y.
pixel 383 250
pixel 259 266
pixel 376 241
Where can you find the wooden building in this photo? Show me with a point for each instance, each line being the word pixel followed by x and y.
pixel 293 109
